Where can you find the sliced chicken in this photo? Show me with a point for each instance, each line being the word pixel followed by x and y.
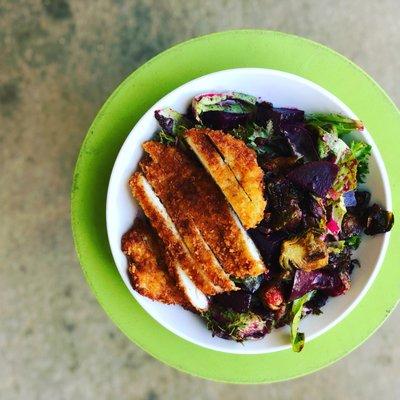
pixel 234 168
pixel 181 265
pixel 147 265
pixel 189 194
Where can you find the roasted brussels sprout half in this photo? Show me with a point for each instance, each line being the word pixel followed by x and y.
pixel 306 252
pixel 228 324
pixel 378 220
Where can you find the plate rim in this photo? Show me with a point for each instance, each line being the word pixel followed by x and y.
pixel 381 98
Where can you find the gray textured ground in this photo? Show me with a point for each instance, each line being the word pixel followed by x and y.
pixel 59 60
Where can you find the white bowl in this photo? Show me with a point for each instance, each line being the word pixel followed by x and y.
pixel 284 90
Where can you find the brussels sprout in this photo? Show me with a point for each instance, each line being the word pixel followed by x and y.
pixel 228 324
pixel 378 220
pixel 306 252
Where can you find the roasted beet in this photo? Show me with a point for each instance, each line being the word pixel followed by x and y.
pixel 268 245
pixel 316 176
pixel 222 120
pixel 340 284
pixel 299 141
pixel 238 301
pixel 265 112
pixel 378 220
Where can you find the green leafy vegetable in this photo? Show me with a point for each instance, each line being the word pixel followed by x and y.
pixel 361 151
pixel 298 338
pixel 353 241
pixel 255 136
pixel 334 123
pixel 329 145
pixel 230 102
pixel 172 124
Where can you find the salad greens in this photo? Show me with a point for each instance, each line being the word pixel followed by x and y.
pixel 296 337
pixel 361 152
pixel 316 212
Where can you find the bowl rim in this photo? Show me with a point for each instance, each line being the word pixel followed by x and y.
pixel 381 167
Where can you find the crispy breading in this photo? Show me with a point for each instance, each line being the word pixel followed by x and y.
pixel 163 180
pixel 166 230
pixel 147 265
pixel 189 193
pixel 243 162
pixel 234 168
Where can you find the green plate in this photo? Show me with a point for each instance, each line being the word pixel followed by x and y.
pixel 186 61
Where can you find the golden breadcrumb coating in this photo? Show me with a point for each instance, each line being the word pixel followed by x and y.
pixel 234 168
pixel 189 194
pixel 147 265
pixel 168 233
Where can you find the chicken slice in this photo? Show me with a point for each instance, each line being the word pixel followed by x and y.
pixel 180 263
pixel 189 193
pixel 234 168
pixel 147 265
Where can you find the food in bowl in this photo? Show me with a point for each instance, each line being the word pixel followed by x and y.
pixel 251 213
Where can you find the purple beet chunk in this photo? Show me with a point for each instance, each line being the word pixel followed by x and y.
pixel 349 199
pixel 265 112
pixel 287 115
pixel 238 301
pixel 299 141
pixel 316 176
pixel 268 245
pixel 223 120
pixel 340 283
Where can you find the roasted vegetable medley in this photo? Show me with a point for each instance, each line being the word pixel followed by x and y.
pixel 316 215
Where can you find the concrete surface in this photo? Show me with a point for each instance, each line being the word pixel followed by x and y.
pixel 59 60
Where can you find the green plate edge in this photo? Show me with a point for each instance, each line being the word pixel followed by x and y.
pixel 175 66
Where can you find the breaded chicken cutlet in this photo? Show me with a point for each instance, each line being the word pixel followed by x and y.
pixel 147 265
pixel 234 168
pixel 189 194
pixel 181 264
